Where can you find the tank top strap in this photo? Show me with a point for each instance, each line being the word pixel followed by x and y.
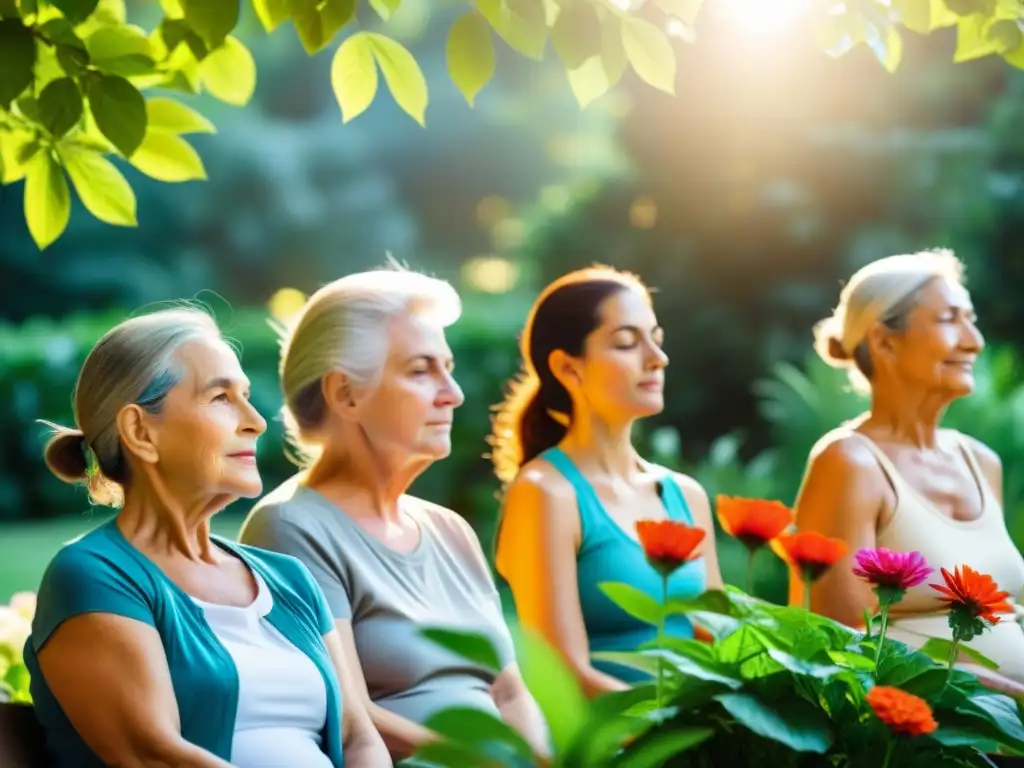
pixel 590 508
pixel 673 498
pixel 888 468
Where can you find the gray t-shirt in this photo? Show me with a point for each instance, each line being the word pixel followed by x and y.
pixel 389 596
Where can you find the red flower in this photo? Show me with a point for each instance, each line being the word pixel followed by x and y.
pixel 754 522
pixel 668 544
pixel 809 551
pixel 903 712
pixel 974 598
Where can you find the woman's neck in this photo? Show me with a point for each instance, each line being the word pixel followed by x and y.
pixel 167 527
pixel 605 447
pixel 908 416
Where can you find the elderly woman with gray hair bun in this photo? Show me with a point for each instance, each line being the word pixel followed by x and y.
pixel 906 331
pixel 370 398
pixel 154 642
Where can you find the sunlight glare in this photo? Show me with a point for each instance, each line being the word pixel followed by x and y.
pixel 764 17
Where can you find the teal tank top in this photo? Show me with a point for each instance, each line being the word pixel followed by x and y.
pixel 608 553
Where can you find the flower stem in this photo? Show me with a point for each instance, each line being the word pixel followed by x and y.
pixel 808 581
pixel 750 571
pixel 881 636
pixel 661 634
pixel 952 659
pixel 888 753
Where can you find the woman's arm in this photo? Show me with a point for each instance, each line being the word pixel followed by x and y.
pixel 519 709
pixel 539 537
pixel 109 674
pixel 364 747
pixel 700 507
pixel 401 736
pixel 843 493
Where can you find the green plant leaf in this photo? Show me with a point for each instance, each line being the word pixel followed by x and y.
pixel 598 74
pixel 804 667
pixel 972 41
pixel 472 646
pixel 576 34
pixel 354 76
pixel 924 16
pixel 104 192
pixel 72 59
pixel 334 15
pixel 385 8
pixel 271 13
pixel 309 25
pixel 477 729
pixel 402 74
pixel 633 601
pixel 793 722
pixel 684 10
pixel 165 157
pixel 470 54
pixel 938 649
pixel 60 106
pixel 889 51
pixel 527 36
pixel 653 750
pixel 11 145
pixel 447 754
pixel 119 111
pixel 170 116
pixel 212 20
pixel 650 53
pixel 75 10
pixel 554 687
pixel 47 200
pixel 108 43
pixel 229 73
pixel 17 59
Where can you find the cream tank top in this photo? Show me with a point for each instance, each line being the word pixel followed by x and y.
pixel 984 544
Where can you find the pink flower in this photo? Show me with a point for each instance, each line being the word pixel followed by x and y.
pixel 893 570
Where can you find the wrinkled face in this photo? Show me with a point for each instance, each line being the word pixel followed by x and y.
pixel 941 342
pixel 206 433
pixel 621 375
pixel 409 412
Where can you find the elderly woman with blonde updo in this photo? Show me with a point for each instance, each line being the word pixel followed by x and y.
pixel 906 330
pixel 155 643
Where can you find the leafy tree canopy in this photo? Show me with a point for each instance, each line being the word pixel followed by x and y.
pixel 77 80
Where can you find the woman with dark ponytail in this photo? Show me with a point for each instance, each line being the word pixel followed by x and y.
pixel 575 485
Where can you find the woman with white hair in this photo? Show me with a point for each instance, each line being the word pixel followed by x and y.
pixel 366 374
pixel 905 329
pixel 153 642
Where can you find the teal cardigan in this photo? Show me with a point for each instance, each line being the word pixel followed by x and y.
pixel 103 573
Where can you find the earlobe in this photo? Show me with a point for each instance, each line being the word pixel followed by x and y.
pixel 336 390
pixel 137 435
pixel 562 367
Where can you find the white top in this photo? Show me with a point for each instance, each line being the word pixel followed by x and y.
pixel 282 698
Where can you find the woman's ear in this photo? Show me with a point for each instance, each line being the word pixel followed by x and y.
pixel 565 369
pixel 338 394
pixel 139 438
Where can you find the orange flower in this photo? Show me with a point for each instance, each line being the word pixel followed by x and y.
pixel 809 551
pixel 754 522
pixel 903 712
pixel 973 598
pixel 668 544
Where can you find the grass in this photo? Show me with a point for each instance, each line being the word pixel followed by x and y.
pixel 27 547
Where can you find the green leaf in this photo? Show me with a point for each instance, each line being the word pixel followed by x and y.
pixel 525 35
pixel 75 10
pixel 102 189
pixel 446 754
pixel 47 200
pixel 938 649
pixel 792 722
pixel 170 116
pixel 108 43
pixel 889 50
pixel 402 74
pixel 229 73
pixel 653 750
pixel 972 41
pixel 1005 34
pixel 72 59
pixel 165 157
pixel 308 24
pixel 335 14
pixel 472 646
pixel 475 728
pixel 470 54
pixel 684 10
pixel 354 76
pixel 385 8
pixel 576 34
pixel 1015 58
pixel 271 13
pixel 599 74
pixel 17 58
pixel 650 54
pixel 554 687
pixel 804 667
pixel 633 601
pixel 212 20
pixel 1002 712
pixel 60 106
pixel 924 16
pixel 119 111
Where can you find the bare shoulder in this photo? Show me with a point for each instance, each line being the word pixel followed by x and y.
pixel 843 454
pixel 544 495
pixel 691 489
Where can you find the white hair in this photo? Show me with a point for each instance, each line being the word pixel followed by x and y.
pixel 134 362
pixel 344 327
pixel 884 291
